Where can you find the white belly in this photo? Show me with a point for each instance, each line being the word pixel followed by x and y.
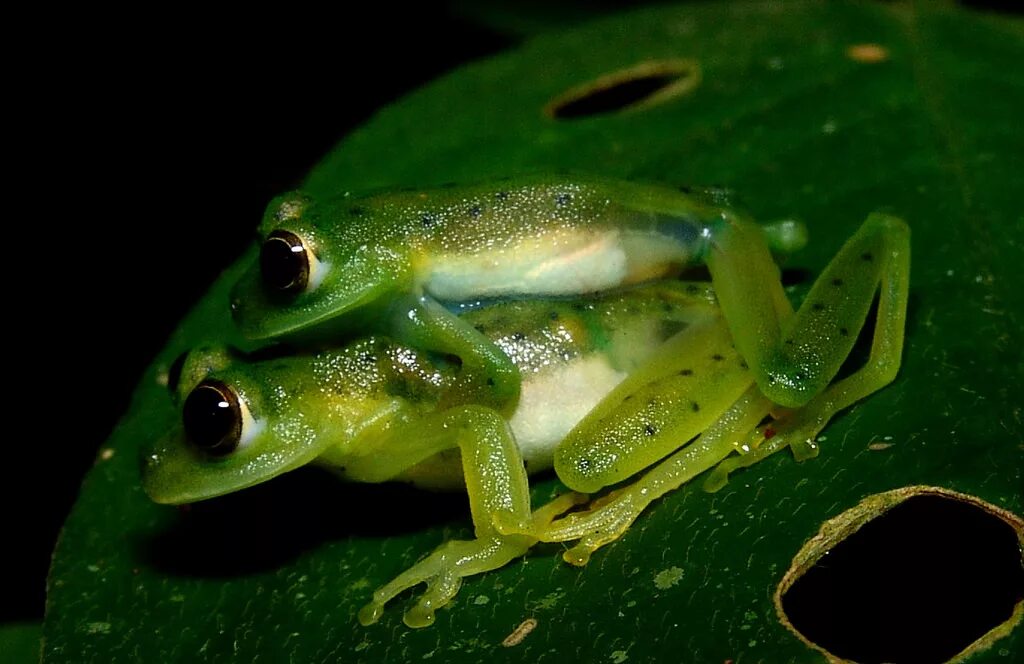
pixel 552 402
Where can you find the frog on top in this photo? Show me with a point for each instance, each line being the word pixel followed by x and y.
pixel 387 262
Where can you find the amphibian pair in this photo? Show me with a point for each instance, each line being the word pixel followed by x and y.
pixel 504 322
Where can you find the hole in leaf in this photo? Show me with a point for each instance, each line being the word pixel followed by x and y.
pixel 640 86
pixel 915 575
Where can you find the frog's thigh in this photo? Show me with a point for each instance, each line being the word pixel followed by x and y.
pixel 497 486
pixel 690 381
pixel 488 374
pixel 609 517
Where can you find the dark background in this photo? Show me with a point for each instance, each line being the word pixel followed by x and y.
pixel 146 153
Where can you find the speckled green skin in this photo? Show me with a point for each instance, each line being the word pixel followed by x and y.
pixel 383 263
pixel 331 406
pixel 655 378
pixel 388 244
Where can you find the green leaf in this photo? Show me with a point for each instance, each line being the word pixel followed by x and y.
pixel 783 114
pixel 21 643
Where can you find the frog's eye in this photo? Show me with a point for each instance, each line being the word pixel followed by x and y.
pixel 285 262
pixel 215 418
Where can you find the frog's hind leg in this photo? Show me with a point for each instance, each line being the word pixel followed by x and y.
pixel 497 486
pixel 695 385
pixel 609 516
pixel 795 357
pixel 799 428
pixel 676 394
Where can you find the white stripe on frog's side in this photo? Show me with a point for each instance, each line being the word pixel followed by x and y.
pixel 569 262
pixel 552 402
pixel 551 265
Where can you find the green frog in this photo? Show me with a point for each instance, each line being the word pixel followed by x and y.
pixel 646 384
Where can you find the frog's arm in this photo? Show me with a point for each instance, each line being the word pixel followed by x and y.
pixel 497 487
pixel 488 376
pixel 795 356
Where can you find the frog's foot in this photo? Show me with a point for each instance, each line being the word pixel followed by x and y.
pixel 603 521
pixel 443 571
pixel 797 429
pixel 763 442
pixel 506 523
pixel 603 524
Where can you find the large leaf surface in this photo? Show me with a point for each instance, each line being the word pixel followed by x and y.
pixel 784 115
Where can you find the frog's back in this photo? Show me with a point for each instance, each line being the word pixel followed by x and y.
pixel 535 236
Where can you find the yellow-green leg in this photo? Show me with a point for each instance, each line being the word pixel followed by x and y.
pixel 799 428
pixel 678 393
pixel 795 356
pixel 609 516
pixel 497 486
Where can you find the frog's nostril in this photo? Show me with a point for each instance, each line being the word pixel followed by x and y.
pixel 915 574
pixel 640 86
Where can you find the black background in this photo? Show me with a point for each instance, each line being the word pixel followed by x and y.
pixel 145 150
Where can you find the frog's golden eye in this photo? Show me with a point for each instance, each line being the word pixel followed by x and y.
pixel 285 263
pixel 213 417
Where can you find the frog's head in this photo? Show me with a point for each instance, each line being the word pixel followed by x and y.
pixel 245 422
pixel 315 264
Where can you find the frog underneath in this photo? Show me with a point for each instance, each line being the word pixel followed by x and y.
pixel 611 385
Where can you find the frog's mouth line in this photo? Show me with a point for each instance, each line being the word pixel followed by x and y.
pixel 168 477
pixel 855 537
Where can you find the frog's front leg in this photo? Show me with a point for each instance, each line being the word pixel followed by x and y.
pixel 488 376
pixel 498 490
pixel 794 357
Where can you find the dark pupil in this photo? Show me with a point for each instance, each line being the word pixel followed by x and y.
pixel 212 418
pixel 283 263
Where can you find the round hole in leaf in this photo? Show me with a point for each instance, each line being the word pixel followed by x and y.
pixel 640 86
pixel 914 575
